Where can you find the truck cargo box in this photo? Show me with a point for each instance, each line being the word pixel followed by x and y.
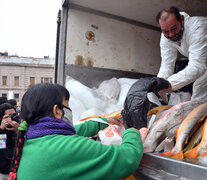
pixel 101 39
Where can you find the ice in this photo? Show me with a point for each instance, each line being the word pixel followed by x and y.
pixel 107 98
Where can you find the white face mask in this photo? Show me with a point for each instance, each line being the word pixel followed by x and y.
pixel 67 115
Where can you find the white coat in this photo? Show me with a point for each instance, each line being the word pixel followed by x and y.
pixel 192 45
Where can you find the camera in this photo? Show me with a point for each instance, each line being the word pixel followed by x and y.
pixel 14 117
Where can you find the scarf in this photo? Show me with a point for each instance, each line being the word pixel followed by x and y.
pixel 48 126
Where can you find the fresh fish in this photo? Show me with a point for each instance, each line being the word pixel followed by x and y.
pixel 201 149
pixel 194 141
pixel 184 130
pixel 158 110
pixel 116 114
pixel 154 118
pixel 170 121
pixel 166 145
pixel 155 114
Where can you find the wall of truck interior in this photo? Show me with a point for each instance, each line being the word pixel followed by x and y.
pixel 97 41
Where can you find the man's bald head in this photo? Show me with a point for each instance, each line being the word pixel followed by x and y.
pixel 165 14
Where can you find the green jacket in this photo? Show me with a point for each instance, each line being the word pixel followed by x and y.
pixel 65 157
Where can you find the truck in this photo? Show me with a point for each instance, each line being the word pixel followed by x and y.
pixel 101 39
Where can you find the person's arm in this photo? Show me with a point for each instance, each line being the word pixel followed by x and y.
pixel 97 161
pixel 169 56
pixel 197 39
pixel 89 128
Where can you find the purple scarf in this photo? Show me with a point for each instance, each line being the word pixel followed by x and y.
pixel 48 126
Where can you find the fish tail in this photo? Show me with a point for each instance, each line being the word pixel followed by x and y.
pixel 193 153
pixel 178 155
pixel 169 153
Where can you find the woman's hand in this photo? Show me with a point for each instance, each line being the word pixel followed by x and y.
pixel 113 120
pixel 143 133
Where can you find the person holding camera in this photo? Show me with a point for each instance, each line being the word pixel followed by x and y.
pixel 9 123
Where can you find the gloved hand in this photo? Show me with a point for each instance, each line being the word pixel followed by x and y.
pixel 136 104
pixel 158 84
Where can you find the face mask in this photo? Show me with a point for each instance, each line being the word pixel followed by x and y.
pixel 67 115
pixel 18 109
pixel 177 37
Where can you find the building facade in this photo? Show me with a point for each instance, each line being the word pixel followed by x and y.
pixel 19 73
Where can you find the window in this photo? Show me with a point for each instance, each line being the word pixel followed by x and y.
pixel 42 80
pixel 16 96
pixel 4 95
pixel 4 80
pixel 50 80
pixel 32 81
pixel 16 80
pixel 46 80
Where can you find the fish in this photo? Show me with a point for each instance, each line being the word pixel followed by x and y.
pixel 158 109
pixel 154 118
pixel 166 145
pixel 116 114
pixel 194 141
pixel 201 149
pixel 184 129
pixel 170 121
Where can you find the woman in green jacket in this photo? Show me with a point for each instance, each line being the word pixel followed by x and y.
pixel 49 148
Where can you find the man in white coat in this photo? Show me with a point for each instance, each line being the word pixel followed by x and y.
pixel 188 35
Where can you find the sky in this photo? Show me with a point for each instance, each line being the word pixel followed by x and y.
pixel 28 27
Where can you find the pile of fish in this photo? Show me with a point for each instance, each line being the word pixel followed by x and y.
pixel 179 131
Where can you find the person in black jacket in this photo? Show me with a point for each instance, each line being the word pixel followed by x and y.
pixel 8 130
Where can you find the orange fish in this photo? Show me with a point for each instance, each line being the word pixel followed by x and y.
pixel 184 130
pixel 158 110
pixel 116 114
pixel 201 149
pixel 170 121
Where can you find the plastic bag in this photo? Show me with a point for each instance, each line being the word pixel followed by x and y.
pixel 109 89
pixel 178 97
pixel 111 135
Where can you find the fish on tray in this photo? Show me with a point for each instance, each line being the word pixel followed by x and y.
pixel 170 121
pixel 184 130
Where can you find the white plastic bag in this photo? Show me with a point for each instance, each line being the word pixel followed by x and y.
pixel 109 89
pixel 178 97
pixel 111 135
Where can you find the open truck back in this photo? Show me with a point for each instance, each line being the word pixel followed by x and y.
pixel 101 39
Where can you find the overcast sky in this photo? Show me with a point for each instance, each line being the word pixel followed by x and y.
pixel 28 27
